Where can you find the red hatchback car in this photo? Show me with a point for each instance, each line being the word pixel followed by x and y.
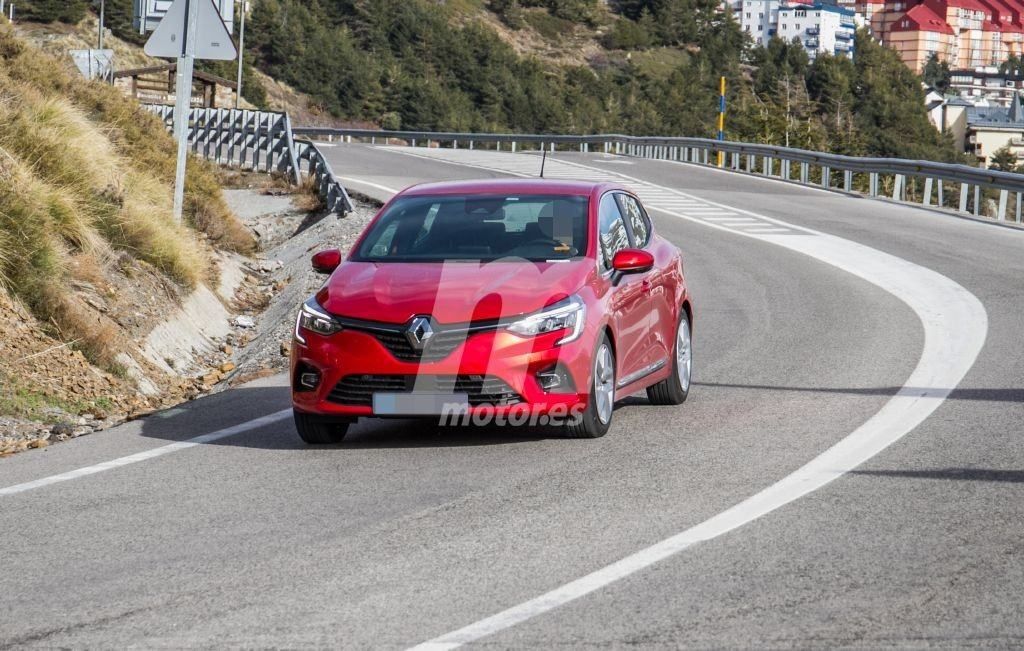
pixel 509 301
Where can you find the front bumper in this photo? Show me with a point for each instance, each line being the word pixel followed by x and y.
pixel 498 354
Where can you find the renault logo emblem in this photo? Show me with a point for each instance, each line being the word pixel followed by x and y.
pixel 419 332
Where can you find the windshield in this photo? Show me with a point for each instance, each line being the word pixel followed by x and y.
pixel 478 227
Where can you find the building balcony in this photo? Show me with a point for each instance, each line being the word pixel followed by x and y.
pixel 844 36
pixel 812 31
pixel 811 43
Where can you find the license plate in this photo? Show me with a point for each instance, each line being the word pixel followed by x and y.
pixel 419 404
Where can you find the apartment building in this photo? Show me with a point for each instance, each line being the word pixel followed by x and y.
pixel 964 33
pixel 820 27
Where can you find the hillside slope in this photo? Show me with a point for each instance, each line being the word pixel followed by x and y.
pixel 91 258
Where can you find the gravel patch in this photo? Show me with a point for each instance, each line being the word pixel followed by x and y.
pixel 281 279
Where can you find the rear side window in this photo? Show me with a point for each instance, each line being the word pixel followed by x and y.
pixel 611 230
pixel 638 220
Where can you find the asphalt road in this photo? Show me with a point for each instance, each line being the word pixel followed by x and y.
pixel 405 533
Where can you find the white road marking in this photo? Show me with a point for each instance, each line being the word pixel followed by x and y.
pixel 372 185
pixel 955 326
pixel 148 454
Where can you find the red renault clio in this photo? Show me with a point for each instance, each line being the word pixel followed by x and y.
pixel 511 301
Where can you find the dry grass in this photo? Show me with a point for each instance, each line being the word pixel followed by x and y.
pixel 85 172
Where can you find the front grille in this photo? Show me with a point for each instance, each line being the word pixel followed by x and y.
pixel 438 347
pixel 392 336
pixel 481 389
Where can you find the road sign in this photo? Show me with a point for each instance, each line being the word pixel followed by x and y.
pixel 147 14
pixel 94 64
pixel 189 30
pixel 211 38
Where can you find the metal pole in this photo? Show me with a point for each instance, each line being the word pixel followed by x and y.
pixel 145 16
pixel 99 40
pixel 241 55
pixel 721 119
pixel 183 101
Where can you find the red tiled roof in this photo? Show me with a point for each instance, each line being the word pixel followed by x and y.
pixel 921 19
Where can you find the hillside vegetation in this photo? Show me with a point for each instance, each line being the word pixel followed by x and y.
pixel 85 201
pixel 573 66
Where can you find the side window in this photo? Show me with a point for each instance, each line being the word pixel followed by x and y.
pixel 611 230
pixel 638 220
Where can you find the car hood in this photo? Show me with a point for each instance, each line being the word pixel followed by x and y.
pixel 452 292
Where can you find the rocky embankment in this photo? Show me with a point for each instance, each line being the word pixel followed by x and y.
pixel 178 347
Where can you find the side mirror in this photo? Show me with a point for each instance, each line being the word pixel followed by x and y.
pixel 327 261
pixel 630 261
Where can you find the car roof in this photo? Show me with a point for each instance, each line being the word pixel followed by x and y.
pixel 516 186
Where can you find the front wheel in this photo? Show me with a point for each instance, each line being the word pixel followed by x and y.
pixel 596 419
pixel 674 389
pixel 317 431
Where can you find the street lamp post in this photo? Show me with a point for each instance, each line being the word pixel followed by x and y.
pixel 241 55
pixel 99 44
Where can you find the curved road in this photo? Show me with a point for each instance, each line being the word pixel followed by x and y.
pixel 406 533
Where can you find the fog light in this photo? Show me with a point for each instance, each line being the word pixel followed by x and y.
pixel 555 379
pixel 309 380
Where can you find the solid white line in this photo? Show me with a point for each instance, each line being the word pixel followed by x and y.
pixel 372 185
pixel 955 327
pixel 148 454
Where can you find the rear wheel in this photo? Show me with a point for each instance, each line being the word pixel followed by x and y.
pixel 596 419
pixel 314 430
pixel 674 389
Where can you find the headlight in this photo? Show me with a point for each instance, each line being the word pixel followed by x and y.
pixel 569 314
pixel 314 319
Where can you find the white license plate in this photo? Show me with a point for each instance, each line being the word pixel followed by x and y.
pixel 419 404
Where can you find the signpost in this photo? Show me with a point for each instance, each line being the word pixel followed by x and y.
pixel 190 30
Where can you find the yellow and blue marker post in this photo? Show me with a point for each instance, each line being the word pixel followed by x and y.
pixel 721 120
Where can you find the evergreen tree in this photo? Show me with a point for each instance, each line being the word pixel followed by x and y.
pixel 48 11
pixel 1003 159
pixel 936 74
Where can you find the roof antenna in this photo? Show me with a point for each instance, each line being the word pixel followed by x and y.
pixel 543 160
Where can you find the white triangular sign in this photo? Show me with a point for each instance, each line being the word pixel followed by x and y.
pixel 212 39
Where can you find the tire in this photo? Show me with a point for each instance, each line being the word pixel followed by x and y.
pixel 674 389
pixel 596 419
pixel 317 431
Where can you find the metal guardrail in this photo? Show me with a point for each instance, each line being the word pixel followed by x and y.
pixel 874 177
pixel 261 141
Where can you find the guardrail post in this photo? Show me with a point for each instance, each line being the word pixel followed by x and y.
pixel 847 180
pixel 413 142
pixel 977 200
pixel 1017 216
pixel 705 155
pixel 826 177
pixel 805 170
pixel 471 145
pixel 926 198
pixel 348 139
pixel 1001 215
pixel 767 165
pixel 455 144
pixel 942 199
pixel 897 187
pixel 514 146
pixel 785 168
pixel 873 184
pixel 373 140
pixel 963 197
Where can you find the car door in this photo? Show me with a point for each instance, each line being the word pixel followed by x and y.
pixel 657 283
pixel 629 300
